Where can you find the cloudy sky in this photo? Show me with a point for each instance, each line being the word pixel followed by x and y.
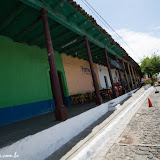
pixel 136 21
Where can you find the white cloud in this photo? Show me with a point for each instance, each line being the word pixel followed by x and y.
pixel 157 28
pixel 143 44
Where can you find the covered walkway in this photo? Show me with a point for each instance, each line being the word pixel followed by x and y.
pixel 30 83
pixel 13 132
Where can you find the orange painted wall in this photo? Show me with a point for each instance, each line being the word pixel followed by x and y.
pixel 78 81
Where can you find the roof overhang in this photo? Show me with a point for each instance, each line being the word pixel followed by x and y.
pixel 21 21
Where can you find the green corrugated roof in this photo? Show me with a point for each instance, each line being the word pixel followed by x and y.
pixel 21 21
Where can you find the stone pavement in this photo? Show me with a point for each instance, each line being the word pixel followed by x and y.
pixel 141 138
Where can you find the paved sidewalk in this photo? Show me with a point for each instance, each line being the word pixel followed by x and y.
pixel 13 132
pixel 77 149
pixel 141 138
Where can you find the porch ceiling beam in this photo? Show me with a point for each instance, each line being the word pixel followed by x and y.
pixel 10 18
pixel 105 40
pixel 74 48
pixel 83 51
pixel 104 64
pixel 36 39
pixel 59 5
pixel 82 57
pixel 97 60
pixel 112 46
pixel 116 50
pixel 119 52
pixel 76 54
pixel 62 35
pixel 90 30
pixel 73 15
pixel 62 20
pixel 96 53
pixel 41 36
pixel 59 45
pixel 31 26
pixel 94 47
pixel 99 57
pixel 97 36
pixel 95 50
pixel 81 24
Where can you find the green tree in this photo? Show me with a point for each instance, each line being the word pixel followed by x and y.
pixel 151 65
pixel 146 66
pixel 155 61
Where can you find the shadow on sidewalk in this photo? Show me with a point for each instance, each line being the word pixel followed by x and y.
pixel 57 155
pixel 13 132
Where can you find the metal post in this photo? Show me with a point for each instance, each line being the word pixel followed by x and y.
pixel 126 77
pixel 130 76
pixel 110 74
pixel 98 96
pixel 60 111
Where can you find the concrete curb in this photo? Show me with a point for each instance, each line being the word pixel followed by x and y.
pixel 119 99
pixel 42 144
pixel 115 103
pixel 97 142
pixel 54 136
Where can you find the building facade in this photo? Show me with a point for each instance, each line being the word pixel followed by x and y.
pixel 78 75
pixel 50 51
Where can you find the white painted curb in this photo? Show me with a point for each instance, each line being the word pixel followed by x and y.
pixel 88 151
pixel 115 103
pixel 41 145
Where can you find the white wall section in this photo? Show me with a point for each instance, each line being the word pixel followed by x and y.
pixel 103 71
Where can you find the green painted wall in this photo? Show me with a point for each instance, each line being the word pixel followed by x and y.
pixel 60 68
pixel 24 73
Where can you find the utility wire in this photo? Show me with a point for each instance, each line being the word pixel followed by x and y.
pixel 105 22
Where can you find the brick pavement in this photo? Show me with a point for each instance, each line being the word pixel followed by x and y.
pixel 141 138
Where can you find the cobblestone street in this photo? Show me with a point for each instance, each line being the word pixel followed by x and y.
pixel 141 138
